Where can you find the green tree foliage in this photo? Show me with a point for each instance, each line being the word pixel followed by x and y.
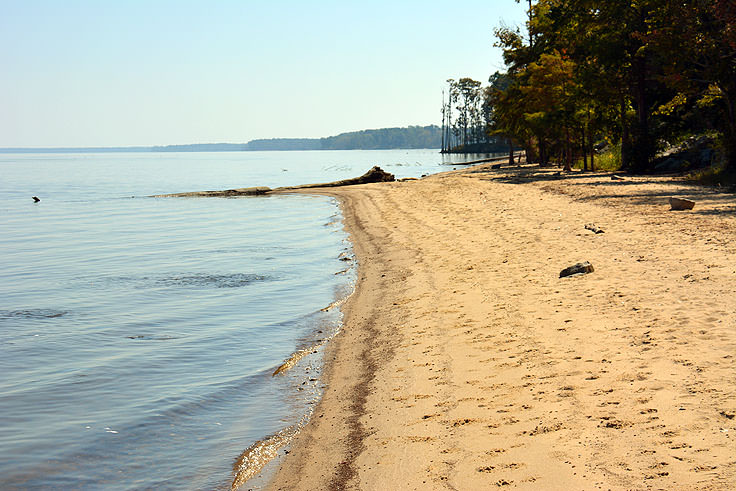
pixel 465 118
pixel 384 138
pixel 636 72
pixel 702 63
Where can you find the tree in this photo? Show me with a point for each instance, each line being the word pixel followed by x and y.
pixel 704 69
pixel 449 130
pixel 619 69
pixel 468 129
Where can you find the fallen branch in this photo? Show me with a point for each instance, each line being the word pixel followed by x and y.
pixel 376 174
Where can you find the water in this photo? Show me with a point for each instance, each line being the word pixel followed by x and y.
pixel 138 335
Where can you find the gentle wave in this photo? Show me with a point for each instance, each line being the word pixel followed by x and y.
pixel 212 280
pixel 292 360
pixel 255 457
pixel 200 280
pixel 32 314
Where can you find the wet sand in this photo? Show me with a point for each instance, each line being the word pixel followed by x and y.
pixel 465 362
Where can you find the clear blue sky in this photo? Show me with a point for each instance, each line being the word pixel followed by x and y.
pixel 118 73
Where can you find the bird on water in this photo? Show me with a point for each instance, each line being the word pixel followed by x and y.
pixel 36 199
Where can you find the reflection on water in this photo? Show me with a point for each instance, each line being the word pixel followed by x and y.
pixel 462 158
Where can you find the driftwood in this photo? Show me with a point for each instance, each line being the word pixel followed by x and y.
pixel 376 174
pixel 227 193
pixel 594 228
pixel 579 268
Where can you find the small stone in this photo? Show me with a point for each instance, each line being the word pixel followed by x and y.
pixel 579 268
pixel 681 204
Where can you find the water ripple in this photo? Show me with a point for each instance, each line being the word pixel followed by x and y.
pixel 211 280
pixel 32 314
pixel 200 280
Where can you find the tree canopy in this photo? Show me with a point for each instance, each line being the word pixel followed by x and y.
pixel 637 73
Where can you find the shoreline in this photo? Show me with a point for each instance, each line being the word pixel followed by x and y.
pixel 352 350
pixel 464 361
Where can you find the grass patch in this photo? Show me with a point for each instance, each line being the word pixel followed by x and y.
pixel 608 161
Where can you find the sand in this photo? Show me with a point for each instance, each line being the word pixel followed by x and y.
pixel 465 362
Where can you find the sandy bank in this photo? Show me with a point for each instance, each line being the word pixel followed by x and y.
pixel 466 363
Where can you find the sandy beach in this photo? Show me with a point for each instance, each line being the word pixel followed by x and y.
pixel 466 363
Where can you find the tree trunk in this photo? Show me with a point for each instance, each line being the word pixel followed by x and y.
pixel 448 140
pixel 568 151
pixel 529 25
pixel 730 133
pixel 511 152
pixel 529 152
pixel 641 149
pixel 592 155
pixel 465 124
pixel 443 122
pixel 625 136
pixel 542 152
pixel 583 148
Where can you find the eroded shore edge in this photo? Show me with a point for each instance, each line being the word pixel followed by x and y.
pixel 350 363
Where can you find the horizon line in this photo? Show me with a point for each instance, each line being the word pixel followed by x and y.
pixel 141 147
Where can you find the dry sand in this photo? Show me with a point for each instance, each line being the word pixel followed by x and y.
pixel 466 363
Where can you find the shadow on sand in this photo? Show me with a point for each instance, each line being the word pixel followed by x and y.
pixel 642 190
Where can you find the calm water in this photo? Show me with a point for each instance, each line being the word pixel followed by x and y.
pixel 138 335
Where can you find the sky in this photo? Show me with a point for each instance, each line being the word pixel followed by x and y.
pixel 79 73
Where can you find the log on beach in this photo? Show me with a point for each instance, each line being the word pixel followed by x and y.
pixel 376 174
pixel 227 193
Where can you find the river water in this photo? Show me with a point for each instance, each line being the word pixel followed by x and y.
pixel 138 335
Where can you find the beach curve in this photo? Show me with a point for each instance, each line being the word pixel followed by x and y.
pixel 465 362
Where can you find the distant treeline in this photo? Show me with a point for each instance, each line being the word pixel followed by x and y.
pixel 386 138
pixel 637 75
pixel 380 139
